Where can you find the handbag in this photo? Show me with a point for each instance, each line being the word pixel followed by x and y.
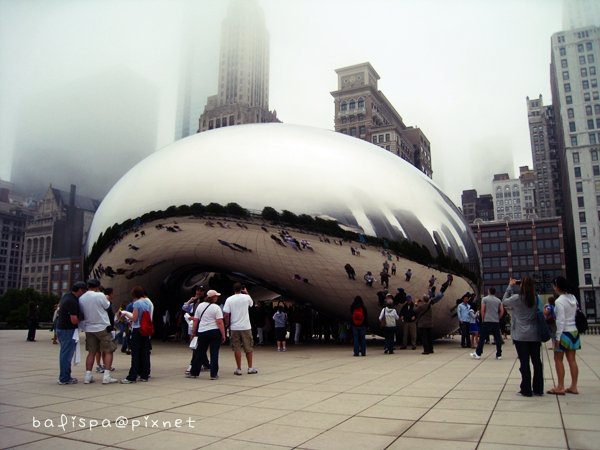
pixel 581 321
pixel 543 328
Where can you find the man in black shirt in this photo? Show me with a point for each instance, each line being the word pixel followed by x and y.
pixel 66 327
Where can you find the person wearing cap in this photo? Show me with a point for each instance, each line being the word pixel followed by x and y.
pixel 96 310
pixel 425 320
pixel 66 327
pixel 210 330
pixel 388 318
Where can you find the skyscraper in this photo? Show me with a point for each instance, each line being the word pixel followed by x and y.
pixel 576 99
pixel 580 13
pixel 542 133
pixel 243 92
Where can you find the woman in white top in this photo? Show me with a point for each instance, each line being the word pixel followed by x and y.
pixel 210 329
pixel 566 339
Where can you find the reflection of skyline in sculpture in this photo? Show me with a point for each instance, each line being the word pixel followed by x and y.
pixel 293 168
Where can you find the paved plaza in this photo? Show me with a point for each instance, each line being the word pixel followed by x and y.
pixel 311 397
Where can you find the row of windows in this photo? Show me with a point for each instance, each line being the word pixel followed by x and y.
pixel 595 171
pixel 221 122
pixel 585 84
pixel 381 138
pixel 352 104
pixel 593 155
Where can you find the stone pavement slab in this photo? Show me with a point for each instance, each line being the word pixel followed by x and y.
pixel 311 397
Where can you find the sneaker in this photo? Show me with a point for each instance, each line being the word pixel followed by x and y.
pixel 71 381
pixel 144 380
pixel 189 375
pixel 100 368
pixel 284 350
pixel 475 356
pixel 109 380
pixel 215 378
pixel 126 381
pixel 187 371
pixel 498 357
pixel 88 379
pixel 252 370
pixel 237 372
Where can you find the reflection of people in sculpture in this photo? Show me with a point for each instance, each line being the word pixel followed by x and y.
pixel 385 279
pixel 369 278
pixel 350 271
pixel 408 275
pixel 432 281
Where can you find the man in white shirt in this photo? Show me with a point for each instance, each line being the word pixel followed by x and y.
pixel 98 337
pixel 237 318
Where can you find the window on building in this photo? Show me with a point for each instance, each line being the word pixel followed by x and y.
pixel 586 264
pixel 353 131
pixel 583 72
pixel 582 217
pixel 343 106
pixel 580 202
pixel 569 100
pixel 577 171
pixel 592 138
pixel 374 139
pixel 570 113
pixel 579 186
pixel 590 59
pixel 585 84
pixel 594 82
pixel 594 154
pixel 587 278
pixel 588 45
pixel 595 95
pixel 588 110
pixel 580 48
pixel 593 70
pixel 572 127
pixel 387 137
pixel 583 232
pixel 562 51
pixel 563 64
pixel 361 130
pixel 574 141
pixel 352 104
pixel 590 124
pixel 586 96
pixel 565 75
pixel 596 171
pixel 585 248
pixel 361 103
pixel 567 87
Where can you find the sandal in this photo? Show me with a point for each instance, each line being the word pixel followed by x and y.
pixel 553 391
pixel 572 391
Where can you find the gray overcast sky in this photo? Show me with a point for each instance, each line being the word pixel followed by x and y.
pixel 458 69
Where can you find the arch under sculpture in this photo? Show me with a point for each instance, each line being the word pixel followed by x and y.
pixel 234 200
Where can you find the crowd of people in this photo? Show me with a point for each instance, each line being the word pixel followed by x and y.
pixel 208 323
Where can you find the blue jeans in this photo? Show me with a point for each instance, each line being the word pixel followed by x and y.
pixel 67 350
pixel 488 328
pixel 360 341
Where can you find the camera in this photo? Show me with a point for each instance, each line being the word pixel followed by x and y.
pixel 518 282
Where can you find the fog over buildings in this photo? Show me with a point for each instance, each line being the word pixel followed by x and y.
pixel 89 88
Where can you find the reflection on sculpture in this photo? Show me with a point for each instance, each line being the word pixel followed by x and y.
pixel 288 208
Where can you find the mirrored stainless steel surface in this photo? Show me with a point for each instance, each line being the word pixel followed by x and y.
pixel 305 171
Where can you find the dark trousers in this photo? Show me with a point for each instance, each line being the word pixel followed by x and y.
pixel 207 339
pixel 488 328
pixel 360 341
pixel 426 339
pixel 527 351
pixel 389 333
pixel 465 336
pixel 32 325
pixel 140 356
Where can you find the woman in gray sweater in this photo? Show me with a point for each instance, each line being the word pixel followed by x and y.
pixel 525 336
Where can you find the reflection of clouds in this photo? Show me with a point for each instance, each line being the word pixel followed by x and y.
pixel 300 169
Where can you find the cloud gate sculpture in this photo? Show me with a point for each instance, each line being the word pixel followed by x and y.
pixel 287 209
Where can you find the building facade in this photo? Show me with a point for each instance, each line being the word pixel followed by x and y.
pixel 362 111
pixel 576 97
pixel 518 248
pixel 477 207
pixel 243 87
pixel 542 134
pixel 13 217
pixel 53 242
